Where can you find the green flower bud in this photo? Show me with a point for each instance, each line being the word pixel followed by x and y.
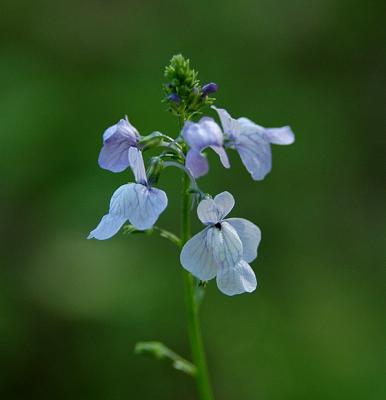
pixel 151 141
pixel 154 170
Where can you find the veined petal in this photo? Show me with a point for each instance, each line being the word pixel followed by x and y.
pixel 197 256
pixel 121 130
pixel 247 123
pixel 236 279
pixel 196 163
pixel 137 165
pixel 224 203
pixel 230 125
pixel 227 246
pixel 222 154
pixel 191 133
pixel 207 212
pixel 199 136
pixel 117 216
pixel 249 234
pixel 255 153
pixel 214 134
pixel 283 135
pixel 211 211
pixel 107 227
pixel 146 205
pixel 116 142
pixel 202 134
pixel 114 156
pixel 121 201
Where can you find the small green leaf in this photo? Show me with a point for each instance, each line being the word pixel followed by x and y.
pixel 169 236
pixel 160 351
pixel 129 229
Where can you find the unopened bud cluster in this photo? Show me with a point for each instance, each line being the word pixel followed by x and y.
pixel 184 93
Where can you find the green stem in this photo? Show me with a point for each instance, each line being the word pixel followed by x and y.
pixel 196 343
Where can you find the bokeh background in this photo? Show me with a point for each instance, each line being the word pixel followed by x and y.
pixel 71 310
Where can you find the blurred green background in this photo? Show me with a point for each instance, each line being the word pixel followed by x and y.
pixel 71 310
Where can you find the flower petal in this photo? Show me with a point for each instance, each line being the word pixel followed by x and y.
pixel 249 234
pixel 121 129
pixel 283 135
pixel 234 275
pixel 255 153
pixel 230 125
pixel 121 200
pixel 224 203
pixel 197 256
pixel 214 134
pixel 107 227
pixel 207 212
pixel 146 205
pixel 247 123
pixel 227 246
pixel 114 156
pixel 236 279
pixel 196 163
pixel 199 136
pixel 211 211
pixel 222 154
pixel 137 165
pixel 202 134
pixel 116 142
pixel 117 216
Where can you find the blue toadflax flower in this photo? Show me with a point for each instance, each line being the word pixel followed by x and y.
pixel 137 202
pixel 253 142
pixel 224 248
pixel 199 136
pixel 117 140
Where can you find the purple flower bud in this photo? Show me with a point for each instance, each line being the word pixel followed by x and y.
pixel 174 97
pixel 209 88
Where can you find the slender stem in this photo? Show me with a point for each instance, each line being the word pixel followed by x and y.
pixel 186 171
pixel 196 343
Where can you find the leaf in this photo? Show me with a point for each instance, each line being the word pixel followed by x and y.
pixel 129 229
pixel 169 236
pixel 160 351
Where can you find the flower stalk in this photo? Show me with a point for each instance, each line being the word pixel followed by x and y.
pixel 226 246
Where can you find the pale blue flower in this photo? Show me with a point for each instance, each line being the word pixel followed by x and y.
pixel 224 248
pixel 253 142
pixel 117 140
pixel 199 136
pixel 137 202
